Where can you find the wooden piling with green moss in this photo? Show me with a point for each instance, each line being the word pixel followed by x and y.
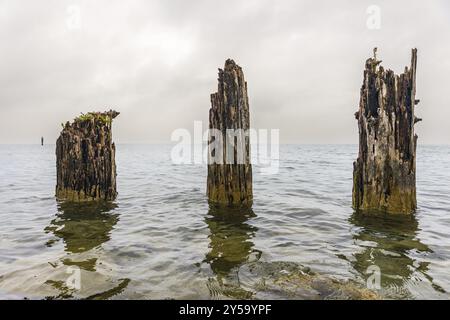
pixel 85 158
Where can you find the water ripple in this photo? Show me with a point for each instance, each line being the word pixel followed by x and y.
pixel 161 240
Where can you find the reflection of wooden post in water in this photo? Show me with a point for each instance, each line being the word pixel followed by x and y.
pixel 230 182
pixel 85 158
pixel 231 246
pixel 230 239
pixel 384 175
pixel 83 226
pixel 387 243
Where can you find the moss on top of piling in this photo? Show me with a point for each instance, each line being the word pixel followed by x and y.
pixel 104 117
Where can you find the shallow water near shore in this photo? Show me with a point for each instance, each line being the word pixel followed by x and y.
pixel 160 239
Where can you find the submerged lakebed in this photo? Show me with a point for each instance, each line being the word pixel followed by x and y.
pixel 160 239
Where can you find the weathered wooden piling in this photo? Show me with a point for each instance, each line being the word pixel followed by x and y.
pixel 85 158
pixel 384 177
pixel 229 165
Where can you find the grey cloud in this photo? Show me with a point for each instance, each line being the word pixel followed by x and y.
pixel 156 62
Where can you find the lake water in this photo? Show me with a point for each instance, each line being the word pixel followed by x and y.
pixel 160 239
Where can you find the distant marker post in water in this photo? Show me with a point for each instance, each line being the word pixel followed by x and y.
pixel 85 158
pixel 229 165
pixel 384 176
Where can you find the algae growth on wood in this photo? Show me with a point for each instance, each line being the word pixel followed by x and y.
pixel 85 158
pixel 384 177
pixel 229 166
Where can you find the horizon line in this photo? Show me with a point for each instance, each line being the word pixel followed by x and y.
pixel 174 143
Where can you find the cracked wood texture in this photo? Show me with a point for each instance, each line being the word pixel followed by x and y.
pixel 85 158
pixel 384 177
pixel 230 182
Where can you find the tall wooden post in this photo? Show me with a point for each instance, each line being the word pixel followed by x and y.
pixel 229 166
pixel 85 158
pixel 384 177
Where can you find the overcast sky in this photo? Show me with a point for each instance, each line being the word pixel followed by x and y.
pixel 156 62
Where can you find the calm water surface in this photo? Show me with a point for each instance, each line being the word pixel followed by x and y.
pixel 160 239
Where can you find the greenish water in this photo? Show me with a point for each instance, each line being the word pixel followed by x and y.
pixel 161 240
